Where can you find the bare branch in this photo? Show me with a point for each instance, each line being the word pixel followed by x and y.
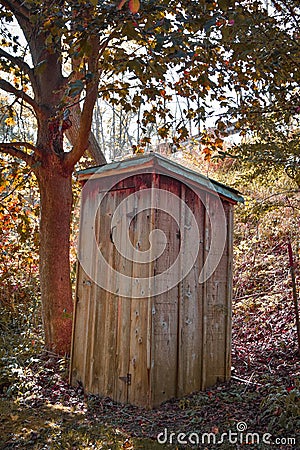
pixel 18 8
pixel 26 145
pixel 7 87
pixel 10 148
pixel 20 63
pixel 23 181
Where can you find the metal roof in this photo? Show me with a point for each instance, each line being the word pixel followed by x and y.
pixel 154 162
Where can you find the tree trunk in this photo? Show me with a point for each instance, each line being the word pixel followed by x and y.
pixel 56 294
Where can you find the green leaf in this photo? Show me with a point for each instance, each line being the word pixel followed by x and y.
pixel 75 88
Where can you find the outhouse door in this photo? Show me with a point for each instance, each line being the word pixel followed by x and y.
pixel 146 339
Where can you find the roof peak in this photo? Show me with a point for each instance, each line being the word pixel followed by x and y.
pixel 155 162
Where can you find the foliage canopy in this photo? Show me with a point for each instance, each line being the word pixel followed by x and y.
pixel 243 55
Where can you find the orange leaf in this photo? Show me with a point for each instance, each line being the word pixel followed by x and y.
pixel 121 4
pixel 134 6
pixel 10 121
pixel 207 152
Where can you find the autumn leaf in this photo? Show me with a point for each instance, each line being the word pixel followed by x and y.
pixel 215 429
pixel 207 151
pixel 137 150
pixel 219 143
pixel 14 417
pixel 121 4
pixel 134 6
pixel 10 121
pixel 47 23
pixel 127 445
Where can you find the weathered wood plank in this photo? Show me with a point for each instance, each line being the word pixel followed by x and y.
pixel 84 286
pixel 164 364
pixel 102 372
pixel 228 303
pixel 123 330
pixel 138 390
pixel 190 317
pixel 216 310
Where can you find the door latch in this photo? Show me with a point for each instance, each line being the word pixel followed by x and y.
pixel 126 379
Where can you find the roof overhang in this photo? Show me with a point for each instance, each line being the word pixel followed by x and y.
pixel 155 163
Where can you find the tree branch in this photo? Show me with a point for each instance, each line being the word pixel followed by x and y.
pixel 19 62
pixel 82 143
pixel 72 134
pixel 25 145
pixel 23 181
pixel 7 87
pixel 10 148
pixel 16 7
pixel 86 116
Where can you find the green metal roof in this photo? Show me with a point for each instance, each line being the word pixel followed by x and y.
pixel 151 162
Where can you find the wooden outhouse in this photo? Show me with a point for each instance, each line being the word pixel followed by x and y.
pixel 152 316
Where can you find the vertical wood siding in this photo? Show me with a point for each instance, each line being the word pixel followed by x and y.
pixel 171 344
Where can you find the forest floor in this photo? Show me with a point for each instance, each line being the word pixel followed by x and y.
pixel 39 410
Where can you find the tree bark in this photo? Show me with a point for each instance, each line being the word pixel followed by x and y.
pixel 93 148
pixel 52 165
pixel 56 293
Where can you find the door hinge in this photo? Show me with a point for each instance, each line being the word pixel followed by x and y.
pixel 126 379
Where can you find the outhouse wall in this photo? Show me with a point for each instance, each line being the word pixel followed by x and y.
pixel 147 350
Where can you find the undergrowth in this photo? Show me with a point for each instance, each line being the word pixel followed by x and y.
pixel 39 410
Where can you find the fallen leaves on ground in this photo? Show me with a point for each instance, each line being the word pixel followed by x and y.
pixel 263 393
